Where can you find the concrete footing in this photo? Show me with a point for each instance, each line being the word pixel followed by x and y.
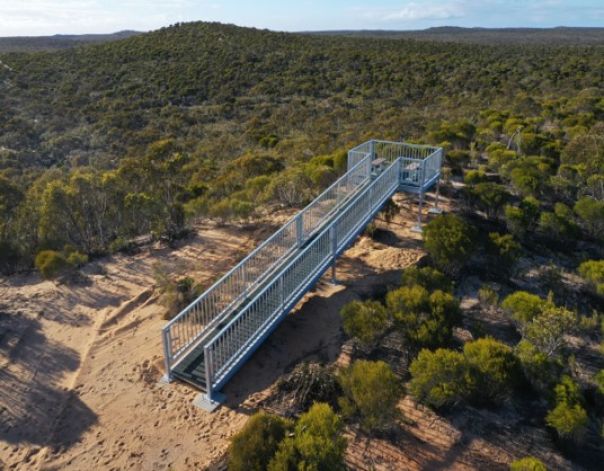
pixel 203 401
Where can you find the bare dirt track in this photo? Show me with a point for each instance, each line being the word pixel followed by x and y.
pixel 80 364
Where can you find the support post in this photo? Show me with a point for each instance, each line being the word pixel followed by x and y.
pixel 167 377
pixel 418 227
pixel 435 209
pixel 210 400
pixel 334 252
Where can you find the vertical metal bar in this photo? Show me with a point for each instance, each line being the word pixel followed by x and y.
pixel 333 239
pixel 207 352
pixel 167 354
pixel 300 229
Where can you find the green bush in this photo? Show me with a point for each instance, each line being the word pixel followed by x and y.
pixel 439 378
pixel 528 463
pixel 593 272
pixel 256 444
pixel 488 296
pixel 547 330
pixel 558 226
pixel 372 391
pixel 488 198
pixel 569 421
pixel 504 251
pixel 599 380
pixel 366 321
pixel 51 264
pixel 521 220
pixel 473 177
pixel 523 306
pixel 591 213
pixel 317 443
pixel 424 320
pixel 486 372
pixel 427 277
pixel 493 369
pixel 175 294
pixel 77 259
pixel 568 417
pixel 449 241
pixel 541 371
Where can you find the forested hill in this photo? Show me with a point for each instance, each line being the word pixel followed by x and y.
pixel 559 36
pixel 178 105
pixel 58 41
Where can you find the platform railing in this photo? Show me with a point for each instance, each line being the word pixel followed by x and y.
pixel 204 313
pixel 231 345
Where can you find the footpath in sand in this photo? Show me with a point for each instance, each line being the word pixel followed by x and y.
pixel 79 365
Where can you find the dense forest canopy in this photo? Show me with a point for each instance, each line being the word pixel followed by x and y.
pixel 101 143
pixel 58 41
pixel 559 35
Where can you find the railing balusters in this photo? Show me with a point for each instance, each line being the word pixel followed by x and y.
pixel 347 204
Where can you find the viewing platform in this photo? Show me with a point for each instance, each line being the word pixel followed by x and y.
pixel 207 343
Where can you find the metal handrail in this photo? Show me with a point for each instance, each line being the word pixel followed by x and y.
pixel 300 225
pixel 329 220
pixel 324 238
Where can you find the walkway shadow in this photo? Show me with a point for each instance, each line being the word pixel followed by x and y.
pixel 312 332
pixel 31 399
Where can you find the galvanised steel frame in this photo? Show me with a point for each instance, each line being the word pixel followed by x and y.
pixel 260 290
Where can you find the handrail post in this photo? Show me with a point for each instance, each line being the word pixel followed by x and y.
pixel 207 353
pixel 300 229
pixel 167 355
pixel 334 251
pixel 281 292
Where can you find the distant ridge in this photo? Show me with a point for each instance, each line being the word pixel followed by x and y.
pixel 58 41
pixel 558 35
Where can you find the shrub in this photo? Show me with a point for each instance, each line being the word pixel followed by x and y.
pixel 599 381
pixel 488 198
pixel 425 320
pixel 439 378
pixel 546 331
pixel 493 369
pixel 593 272
pixel 523 306
pixel 175 294
pixel 568 417
pixel 472 177
pixel 558 226
pixel 540 371
pixel 591 213
pixel 568 391
pixel 449 241
pixel 504 251
pixel 256 444
pixel 457 159
pixel 488 296
pixel 372 391
pixel 569 421
pixel 365 321
pixel 51 264
pixel 317 443
pixel 427 277
pixel 77 259
pixel 522 219
pixel 528 463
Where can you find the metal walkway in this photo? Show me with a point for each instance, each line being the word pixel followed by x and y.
pixel 212 338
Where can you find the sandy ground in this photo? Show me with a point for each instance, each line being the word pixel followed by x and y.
pixel 79 365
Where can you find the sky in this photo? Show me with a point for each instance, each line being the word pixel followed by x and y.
pixel 47 17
